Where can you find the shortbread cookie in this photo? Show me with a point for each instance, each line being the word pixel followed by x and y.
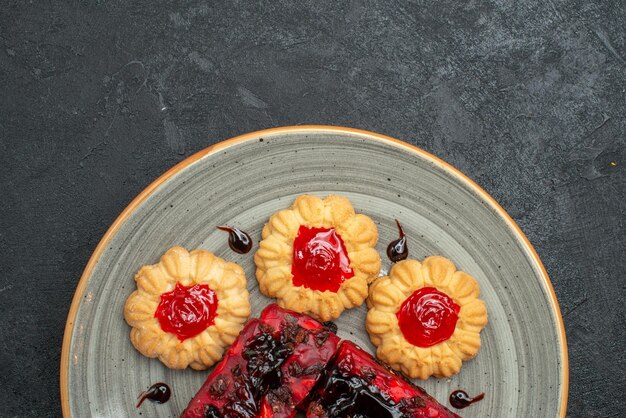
pixel 425 318
pixel 318 256
pixel 187 308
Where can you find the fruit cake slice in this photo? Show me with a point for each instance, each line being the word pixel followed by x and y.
pixel 356 385
pixel 269 370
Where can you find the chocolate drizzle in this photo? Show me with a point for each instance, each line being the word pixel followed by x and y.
pixel 398 249
pixel 238 241
pixel 158 393
pixel 460 399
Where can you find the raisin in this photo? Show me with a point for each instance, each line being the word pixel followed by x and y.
pixel 301 335
pixel 240 410
pixel 295 369
pixel 313 369
pixel 419 402
pixel 211 411
pixel 290 332
pixel 317 409
pixel 412 403
pixel 368 374
pixel 283 394
pixel 321 337
pixel 218 387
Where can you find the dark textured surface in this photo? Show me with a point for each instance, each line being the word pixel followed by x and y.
pixel 98 98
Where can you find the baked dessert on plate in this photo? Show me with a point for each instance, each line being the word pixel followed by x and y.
pixel 269 370
pixel 356 385
pixel 318 256
pixel 187 308
pixel 284 360
pixel 425 318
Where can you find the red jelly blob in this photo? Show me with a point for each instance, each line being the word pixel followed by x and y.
pixel 186 311
pixel 320 259
pixel 427 317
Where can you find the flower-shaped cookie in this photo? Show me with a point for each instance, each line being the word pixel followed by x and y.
pixel 318 256
pixel 425 318
pixel 187 308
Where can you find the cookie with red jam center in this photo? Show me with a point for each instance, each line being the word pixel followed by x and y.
pixel 187 308
pixel 425 318
pixel 317 257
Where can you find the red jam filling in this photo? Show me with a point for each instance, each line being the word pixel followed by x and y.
pixel 320 259
pixel 427 317
pixel 186 311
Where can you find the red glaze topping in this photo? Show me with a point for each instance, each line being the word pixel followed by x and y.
pixel 356 385
pixel 269 370
pixel 320 259
pixel 186 311
pixel 428 317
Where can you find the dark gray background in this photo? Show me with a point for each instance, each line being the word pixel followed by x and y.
pixel 99 98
